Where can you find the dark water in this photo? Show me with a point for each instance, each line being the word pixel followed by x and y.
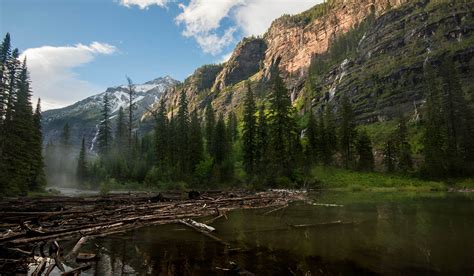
pixel 381 233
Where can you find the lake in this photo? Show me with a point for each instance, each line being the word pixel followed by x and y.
pixel 370 233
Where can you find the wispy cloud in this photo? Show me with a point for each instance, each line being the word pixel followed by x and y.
pixel 143 4
pixel 202 19
pixel 52 74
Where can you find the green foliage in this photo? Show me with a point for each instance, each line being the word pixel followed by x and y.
pixel 249 133
pixel 347 133
pixel 365 152
pixel 21 161
pixel 104 136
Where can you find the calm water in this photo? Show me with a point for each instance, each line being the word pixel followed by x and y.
pixel 391 233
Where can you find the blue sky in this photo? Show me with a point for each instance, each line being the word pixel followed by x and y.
pixel 77 48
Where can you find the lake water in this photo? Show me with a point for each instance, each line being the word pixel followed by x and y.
pixel 379 233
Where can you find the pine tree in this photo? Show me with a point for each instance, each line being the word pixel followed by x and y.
pixel 347 133
pixel 120 130
pixel 328 135
pixel 131 107
pixel 232 126
pixel 196 147
pixel 161 137
pixel 183 135
pixel 313 139
pixel 434 138
pixel 104 137
pixel 5 56
pixel 403 148
pixel 248 133
pixel 210 125
pixel 65 137
pixel 389 154
pixel 282 129
pixel 261 145
pixel 364 151
pixel 17 157
pixel 222 151
pixel 81 172
pixel 38 180
pixel 455 109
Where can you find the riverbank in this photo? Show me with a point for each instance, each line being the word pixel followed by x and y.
pixel 331 178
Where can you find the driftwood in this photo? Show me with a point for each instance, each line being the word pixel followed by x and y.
pixel 76 271
pixel 29 223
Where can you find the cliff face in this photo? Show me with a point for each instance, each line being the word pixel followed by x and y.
pixel 295 41
pixel 386 74
pixel 382 73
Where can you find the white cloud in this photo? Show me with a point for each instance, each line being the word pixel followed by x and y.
pixel 143 4
pixel 52 75
pixel 256 16
pixel 203 18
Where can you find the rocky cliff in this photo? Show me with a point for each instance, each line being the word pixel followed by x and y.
pixel 387 43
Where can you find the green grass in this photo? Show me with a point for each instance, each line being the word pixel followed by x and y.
pixel 340 179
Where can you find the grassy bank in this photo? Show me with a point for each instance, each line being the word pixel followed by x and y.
pixel 340 179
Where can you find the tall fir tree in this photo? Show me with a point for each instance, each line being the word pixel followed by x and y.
pixel 222 151
pixel 434 137
pixel 249 133
pixel 347 133
pixel 131 106
pixel 261 145
pixel 328 135
pixel 209 127
pixel 403 147
pixel 104 137
pixel 282 128
pixel 81 171
pixel 183 135
pixel 38 180
pixel 161 137
pixel 365 153
pixel 232 126
pixel 313 139
pixel 196 146
pixel 120 130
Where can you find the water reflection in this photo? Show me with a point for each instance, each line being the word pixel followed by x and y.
pixel 391 234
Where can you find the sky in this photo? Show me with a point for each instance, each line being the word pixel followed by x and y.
pixel 78 48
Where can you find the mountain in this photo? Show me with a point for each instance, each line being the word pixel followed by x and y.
pixel 373 51
pixel 84 116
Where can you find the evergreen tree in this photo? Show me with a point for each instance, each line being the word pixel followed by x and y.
pixel 120 130
pixel 210 124
pixel 347 133
pixel 104 137
pixel 161 137
pixel 183 135
pixel 403 150
pixel 5 56
pixel 389 154
pixel 454 109
pixel 261 145
pixel 65 137
pixel 222 151
pixel 17 157
pixel 232 126
pixel 434 139
pixel 364 151
pixel 81 172
pixel 313 139
pixel 131 107
pixel 282 129
pixel 38 180
pixel 328 135
pixel 196 147
pixel 248 133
